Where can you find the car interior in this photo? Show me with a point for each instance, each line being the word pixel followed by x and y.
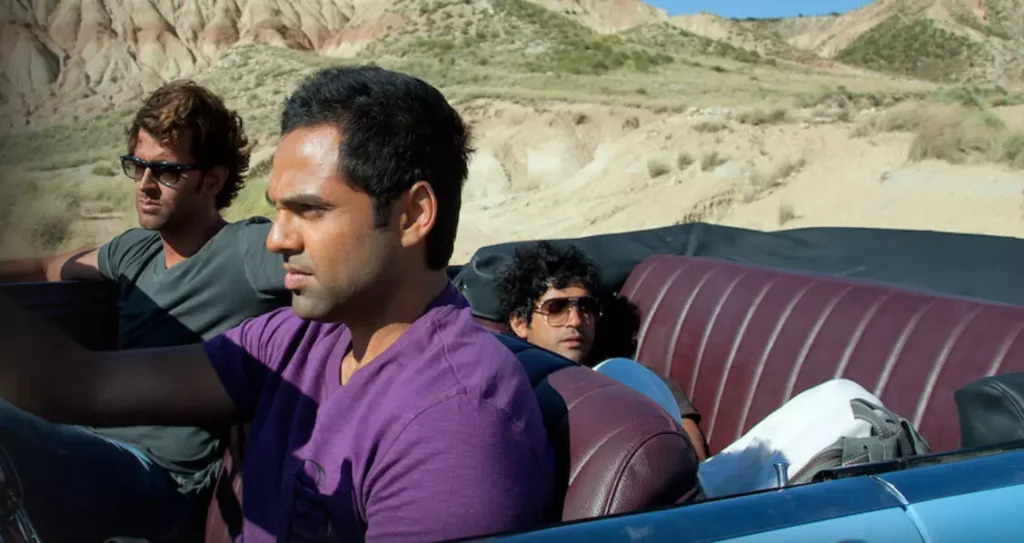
pixel 739 339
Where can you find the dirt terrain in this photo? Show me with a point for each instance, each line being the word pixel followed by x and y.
pixel 588 117
pixel 602 175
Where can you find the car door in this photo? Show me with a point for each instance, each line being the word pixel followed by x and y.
pixel 87 311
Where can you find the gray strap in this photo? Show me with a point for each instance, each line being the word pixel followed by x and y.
pixel 879 417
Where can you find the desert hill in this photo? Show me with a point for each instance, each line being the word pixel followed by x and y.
pixel 104 52
pixel 111 50
pixel 588 116
pixel 607 16
pixel 963 41
pixel 97 54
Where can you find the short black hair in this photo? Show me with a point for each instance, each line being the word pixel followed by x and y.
pixel 396 130
pixel 536 267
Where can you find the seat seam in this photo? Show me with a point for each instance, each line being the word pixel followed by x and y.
pixel 940 363
pixel 869 315
pixel 645 271
pixel 670 358
pixel 769 346
pixel 655 304
pixel 794 375
pixel 736 345
pixel 894 354
pixel 997 362
pixel 704 341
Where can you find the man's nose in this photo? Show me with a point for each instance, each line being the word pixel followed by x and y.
pixel 283 238
pixel 574 318
pixel 148 181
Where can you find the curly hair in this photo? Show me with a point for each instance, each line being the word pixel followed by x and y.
pixel 535 268
pixel 216 133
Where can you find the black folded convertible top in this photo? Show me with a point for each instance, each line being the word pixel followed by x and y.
pixel 978 266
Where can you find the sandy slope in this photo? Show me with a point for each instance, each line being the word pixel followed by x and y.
pixel 582 170
pixel 577 170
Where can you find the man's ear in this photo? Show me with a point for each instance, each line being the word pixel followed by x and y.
pixel 213 180
pixel 519 325
pixel 417 213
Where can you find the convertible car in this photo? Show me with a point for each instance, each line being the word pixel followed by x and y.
pixel 742 321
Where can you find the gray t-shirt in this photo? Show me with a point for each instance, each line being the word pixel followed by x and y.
pixel 230 279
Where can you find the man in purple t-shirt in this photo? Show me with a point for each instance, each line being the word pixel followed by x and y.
pixel 407 422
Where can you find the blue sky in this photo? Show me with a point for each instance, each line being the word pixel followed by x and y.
pixel 757 8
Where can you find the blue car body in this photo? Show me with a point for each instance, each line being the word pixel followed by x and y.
pixel 956 497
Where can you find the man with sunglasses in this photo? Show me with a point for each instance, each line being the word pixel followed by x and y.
pixel 184 276
pixel 549 296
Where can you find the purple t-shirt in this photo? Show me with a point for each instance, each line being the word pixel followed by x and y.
pixel 439 437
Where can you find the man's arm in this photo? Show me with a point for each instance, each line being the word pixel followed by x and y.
pixel 691 418
pixel 451 475
pixel 80 265
pixel 696 435
pixel 45 372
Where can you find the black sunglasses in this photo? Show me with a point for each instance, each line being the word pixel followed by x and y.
pixel 556 310
pixel 166 173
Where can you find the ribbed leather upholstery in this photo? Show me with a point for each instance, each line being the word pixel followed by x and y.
pixel 742 340
pixel 616 451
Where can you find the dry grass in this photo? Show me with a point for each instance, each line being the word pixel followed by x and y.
pixel 904 117
pixel 763 183
pixel 710 127
pixel 952 132
pixel 251 201
pixel 36 217
pixel 711 160
pixel 260 169
pixel 960 135
pixel 1012 149
pixel 106 195
pixel 657 168
pixel 684 160
pixel 103 169
pixel 786 213
pixel 758 117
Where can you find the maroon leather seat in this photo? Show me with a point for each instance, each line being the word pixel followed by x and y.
pixel 741 340
pixel 616 451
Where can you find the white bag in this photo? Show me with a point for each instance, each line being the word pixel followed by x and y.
pixel 792 435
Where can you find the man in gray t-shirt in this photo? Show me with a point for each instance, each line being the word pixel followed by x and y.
pixel 231 278
pixel 185 276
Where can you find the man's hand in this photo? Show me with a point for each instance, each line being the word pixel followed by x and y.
pixel 45 372
pixel 80 265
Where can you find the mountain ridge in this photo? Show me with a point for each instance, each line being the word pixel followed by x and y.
pixel 987 38
pixel 98 54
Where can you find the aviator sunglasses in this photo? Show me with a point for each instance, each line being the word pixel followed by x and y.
pixel 166 173
pixel 556 310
